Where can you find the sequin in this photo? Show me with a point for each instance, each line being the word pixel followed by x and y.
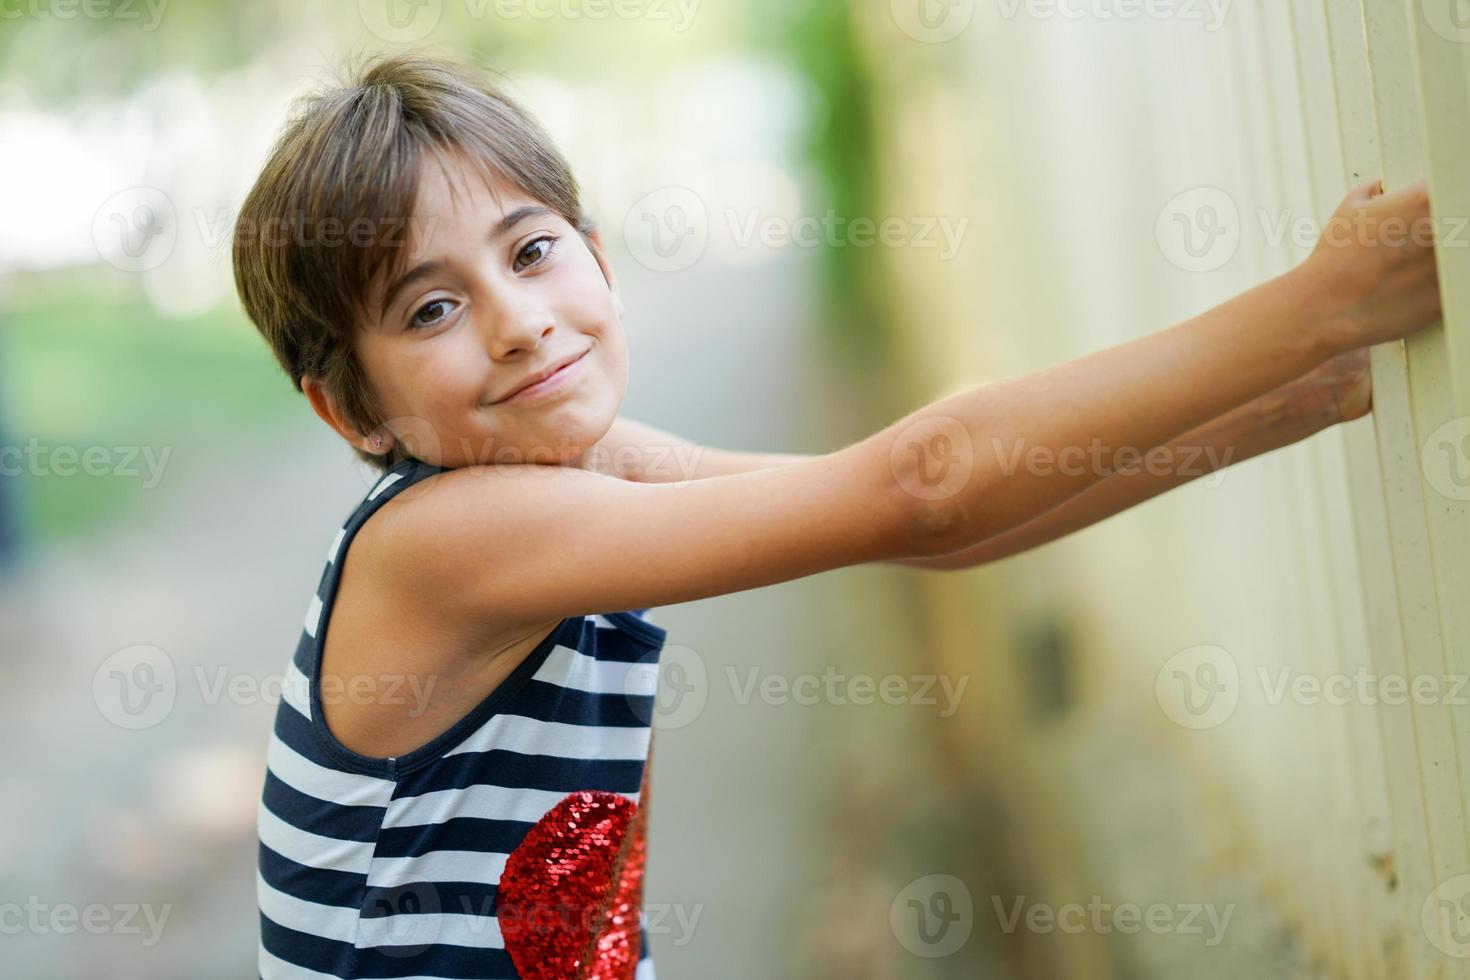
pixel 571 894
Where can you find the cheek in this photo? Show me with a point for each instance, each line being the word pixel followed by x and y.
pixel 612 351
pixel 450 369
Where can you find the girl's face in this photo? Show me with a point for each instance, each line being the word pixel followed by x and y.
pixel 491 297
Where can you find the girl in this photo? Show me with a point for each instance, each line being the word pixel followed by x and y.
pixel 457 779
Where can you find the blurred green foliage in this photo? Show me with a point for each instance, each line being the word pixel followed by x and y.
pixel 90 364
pixel 818 38
pixel 122 43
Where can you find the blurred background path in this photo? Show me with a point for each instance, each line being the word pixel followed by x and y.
pixel 753 800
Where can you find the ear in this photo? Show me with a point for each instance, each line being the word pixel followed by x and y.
pixel 595 237
pixel 327 409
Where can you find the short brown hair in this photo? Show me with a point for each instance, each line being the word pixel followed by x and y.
pixel 341 181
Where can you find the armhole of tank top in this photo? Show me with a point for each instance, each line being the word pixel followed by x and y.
pixel 397 478
pixel 632 621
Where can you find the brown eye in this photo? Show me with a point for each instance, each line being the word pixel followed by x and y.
pixel 418 322
pixel 549 242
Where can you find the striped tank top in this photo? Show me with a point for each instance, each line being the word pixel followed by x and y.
pixel 511 845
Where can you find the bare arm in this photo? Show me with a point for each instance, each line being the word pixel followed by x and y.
pixel 521 544
pixel 1337 391
pixel 640 452
pixel 1270 422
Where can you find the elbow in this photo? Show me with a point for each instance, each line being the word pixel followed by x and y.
pixel 942 488
pixel 936 532
pixel 939 525
pixel 924 515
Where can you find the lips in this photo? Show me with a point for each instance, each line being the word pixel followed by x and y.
pixel 541 376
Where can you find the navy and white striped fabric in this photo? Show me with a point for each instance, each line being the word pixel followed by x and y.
pixel 389 867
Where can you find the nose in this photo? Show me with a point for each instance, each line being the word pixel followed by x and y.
pixel 513 324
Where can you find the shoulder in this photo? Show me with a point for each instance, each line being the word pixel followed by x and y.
pixel 498 493
pixel 438 539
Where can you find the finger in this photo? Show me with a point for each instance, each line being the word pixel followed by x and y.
pixel 1367 190
pixel 1415 194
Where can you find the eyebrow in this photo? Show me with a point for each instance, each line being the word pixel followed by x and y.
pixel 433 266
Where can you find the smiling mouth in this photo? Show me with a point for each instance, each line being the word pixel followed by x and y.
pixel 551 383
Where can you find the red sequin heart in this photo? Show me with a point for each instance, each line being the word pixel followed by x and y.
pixel 571 892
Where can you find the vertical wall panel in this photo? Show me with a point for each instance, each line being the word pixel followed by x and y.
pixel 1406 864
pixel 1409 379
pixel 1063 138
pixel 1442 59
pixel 1349 882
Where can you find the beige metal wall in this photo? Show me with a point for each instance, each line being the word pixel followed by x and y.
pixel 1094 154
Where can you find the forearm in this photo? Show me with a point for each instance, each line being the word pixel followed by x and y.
pixel 643 453
pixel 716 462
pixel 1258 427
pixel 979 456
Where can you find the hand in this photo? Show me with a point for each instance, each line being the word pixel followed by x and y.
pixel 1375 265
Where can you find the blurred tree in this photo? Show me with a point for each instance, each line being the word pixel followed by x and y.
pixel 820 39
pixel 10 540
